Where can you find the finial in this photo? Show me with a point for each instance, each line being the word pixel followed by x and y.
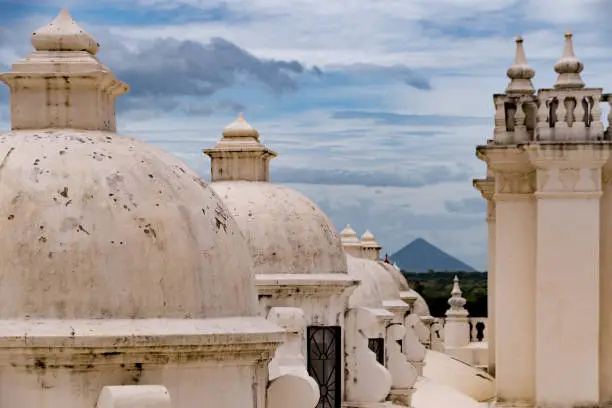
pixel 520 73
pixel 348 235
pixel 240 155
pixel 367 236
pixel 456 302
pixel 368 240
pixel 63 34
pixel 240 128
pixel 569 67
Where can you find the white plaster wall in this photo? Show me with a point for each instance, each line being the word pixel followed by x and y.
pixel 318 311
pixel 491 280
pixel 190 385
pixel 515 299
pixel 605 300
pixel 567 301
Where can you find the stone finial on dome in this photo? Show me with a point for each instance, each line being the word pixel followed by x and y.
pixel 569 67
pixel 370 248
pixel 64 34
pixel 348 235
pixel 240 128
pixel 240 155
pixel 61 84
pixel 520 73
pixel 456 301
pixel 368 237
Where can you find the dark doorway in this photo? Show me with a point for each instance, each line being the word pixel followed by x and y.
pixel 325 364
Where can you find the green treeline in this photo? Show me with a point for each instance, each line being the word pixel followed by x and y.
pixel 435 287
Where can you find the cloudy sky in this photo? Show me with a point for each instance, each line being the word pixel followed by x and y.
pixel 375 107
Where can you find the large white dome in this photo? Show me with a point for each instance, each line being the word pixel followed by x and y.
pixel 286 232
pixel 98 225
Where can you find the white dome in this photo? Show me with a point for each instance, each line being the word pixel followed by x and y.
pixel 99 225
pixel 286 232
pixel 396 275
pixel 420 306
pixel 369 292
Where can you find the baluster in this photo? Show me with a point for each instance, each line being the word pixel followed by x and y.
pixel 474 331
pixel 597 128
pixel 561 113
pixel 499 133
pixel 561 123
pixel 485 336
pixel 520 130
pixel 609 113
pixel 578 125
pixel 542 131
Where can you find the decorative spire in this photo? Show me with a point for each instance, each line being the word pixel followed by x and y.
pixel 520 73
pixel 456 301
pixel 241 129
pixel 64 34
pixel 348 235
pixel 569 67
pixel 370 248
pixel 62 84
pixel 368 238
pixel 239 155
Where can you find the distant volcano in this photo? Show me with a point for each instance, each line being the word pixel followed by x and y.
pixel 421 256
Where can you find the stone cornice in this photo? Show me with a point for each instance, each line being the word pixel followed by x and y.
pixel 315 285
pixel 508 158
pixel 514 183
pixel 486 187
pixel 569 154
pixel 90 343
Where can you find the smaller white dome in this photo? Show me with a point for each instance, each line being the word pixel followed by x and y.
pixel 369 293
pixel 286 232
pixel 420 306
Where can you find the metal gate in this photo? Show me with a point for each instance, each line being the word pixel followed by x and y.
pixel 324 349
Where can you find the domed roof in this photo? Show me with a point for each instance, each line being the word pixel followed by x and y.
pixel 286 232
pixel 98 225
pixel 103 225
pixel 369 293
pixel 420 306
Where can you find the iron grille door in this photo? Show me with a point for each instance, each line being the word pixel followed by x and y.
pixel 324 363
pixel 378 347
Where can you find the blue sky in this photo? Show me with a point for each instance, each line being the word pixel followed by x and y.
pixel 374 107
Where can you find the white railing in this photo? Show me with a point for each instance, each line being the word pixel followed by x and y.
pixel 552 115
pixel 478 329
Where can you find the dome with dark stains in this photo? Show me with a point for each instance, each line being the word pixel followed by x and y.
pixel 286 232
pixel 94 224
pixel 98 225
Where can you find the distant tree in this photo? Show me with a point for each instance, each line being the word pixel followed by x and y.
pixel 435 287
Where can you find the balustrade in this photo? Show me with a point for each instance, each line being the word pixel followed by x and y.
pixel 478 329
pixel 551 115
